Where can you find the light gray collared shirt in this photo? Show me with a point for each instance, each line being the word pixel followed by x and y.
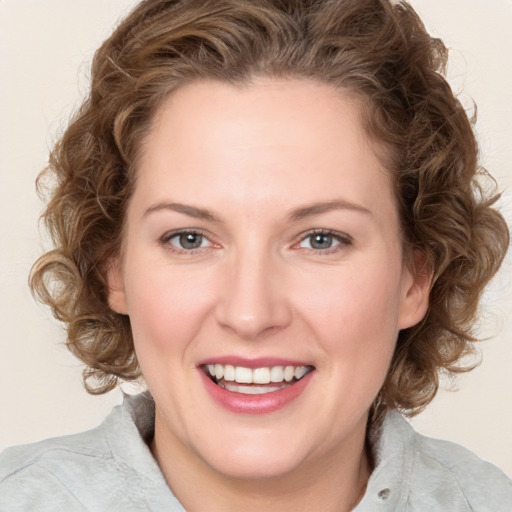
pixel 110 468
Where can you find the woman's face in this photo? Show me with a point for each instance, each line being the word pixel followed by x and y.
pixel 262 243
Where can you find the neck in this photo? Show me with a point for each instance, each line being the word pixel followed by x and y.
pixel 334 482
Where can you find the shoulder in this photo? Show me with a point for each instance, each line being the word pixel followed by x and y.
pixel 52 472
pixel 445 469
pixel 60 473
pixel 51 453
pixel 415 473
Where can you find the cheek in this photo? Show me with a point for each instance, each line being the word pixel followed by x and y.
pixel 167 308
pixel 355 315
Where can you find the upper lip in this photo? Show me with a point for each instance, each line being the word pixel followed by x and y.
pixel 258 362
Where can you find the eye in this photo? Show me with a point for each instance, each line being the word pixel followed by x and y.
pixel 324 241
pixel 186 241
pixel 320 241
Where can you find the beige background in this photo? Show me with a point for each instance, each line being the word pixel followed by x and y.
pixel 45 48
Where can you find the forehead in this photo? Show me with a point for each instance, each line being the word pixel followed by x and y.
pixel 216 110
pixel 293 138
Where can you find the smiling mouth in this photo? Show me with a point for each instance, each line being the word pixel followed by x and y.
pixel 257 381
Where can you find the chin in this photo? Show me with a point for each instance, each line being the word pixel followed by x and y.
pixel 246 467
pixel 252 459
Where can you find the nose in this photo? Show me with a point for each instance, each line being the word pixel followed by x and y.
pixel 253 302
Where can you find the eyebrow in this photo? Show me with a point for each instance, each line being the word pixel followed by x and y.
pixel 191 211
pixel 297 214
pixel 324 207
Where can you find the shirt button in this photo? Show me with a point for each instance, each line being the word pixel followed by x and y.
pixel 384 494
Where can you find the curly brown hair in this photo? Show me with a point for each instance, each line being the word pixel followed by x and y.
pixel 377 50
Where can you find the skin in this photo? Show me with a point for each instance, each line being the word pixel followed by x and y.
pixel 257 287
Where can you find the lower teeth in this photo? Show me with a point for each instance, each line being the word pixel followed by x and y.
pixel 252 389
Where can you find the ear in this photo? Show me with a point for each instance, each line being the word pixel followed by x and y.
pixel 116 291
pixel 416 285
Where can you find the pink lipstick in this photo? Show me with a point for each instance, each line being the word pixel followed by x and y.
pixel 254 386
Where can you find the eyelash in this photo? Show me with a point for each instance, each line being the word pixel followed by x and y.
pixel 166 239
pixel 342 240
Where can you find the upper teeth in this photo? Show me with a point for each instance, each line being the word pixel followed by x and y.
pixel 264 375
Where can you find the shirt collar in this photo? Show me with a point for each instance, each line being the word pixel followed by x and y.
pixel 388 485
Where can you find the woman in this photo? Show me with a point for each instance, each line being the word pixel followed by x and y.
pixel 270 211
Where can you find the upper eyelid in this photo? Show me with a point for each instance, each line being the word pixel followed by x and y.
pixel 343 237
pixel 165 239
pixel 330 232
pixel 175 232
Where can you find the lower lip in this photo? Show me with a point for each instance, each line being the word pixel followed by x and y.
pixel 255 404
